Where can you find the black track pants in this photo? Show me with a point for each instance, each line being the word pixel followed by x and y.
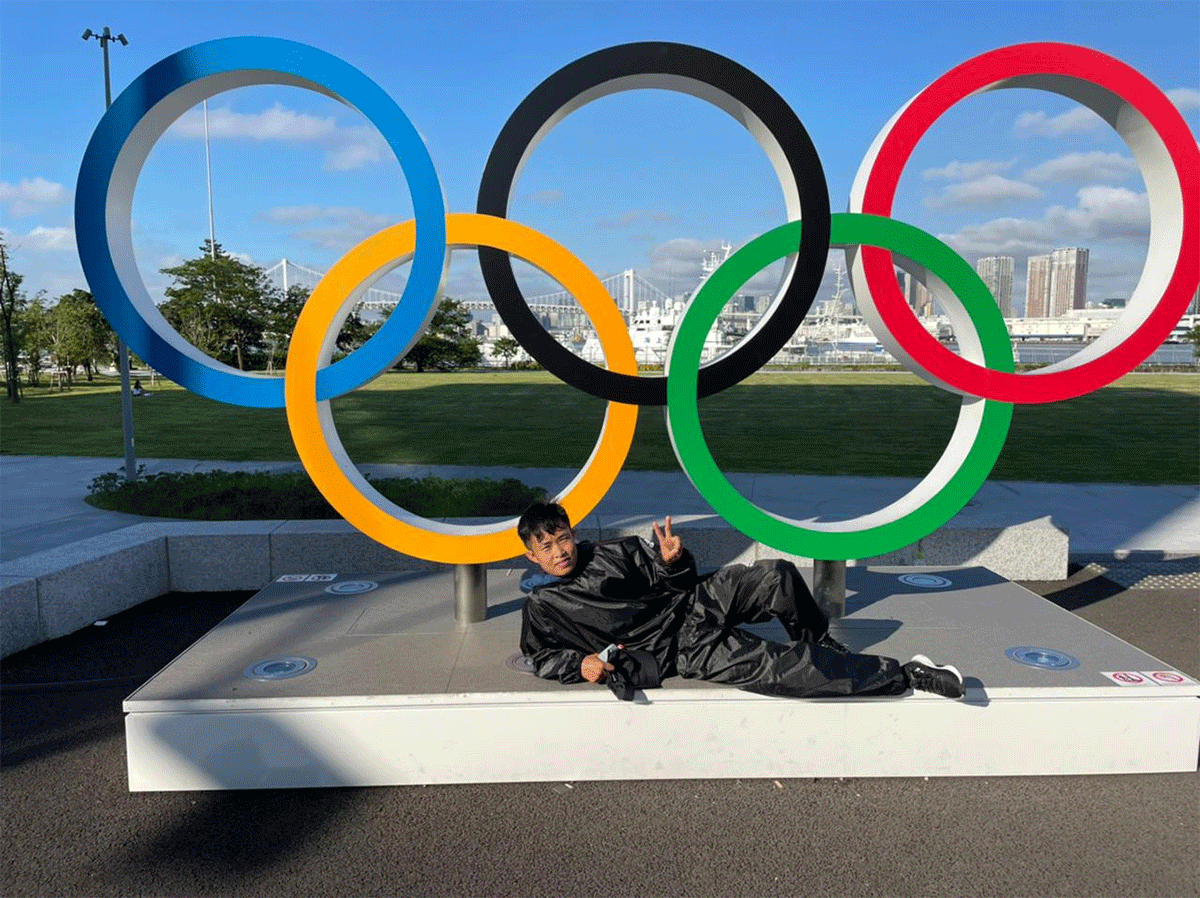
pixel 711 647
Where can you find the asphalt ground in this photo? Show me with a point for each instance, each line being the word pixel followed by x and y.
pixel 70 827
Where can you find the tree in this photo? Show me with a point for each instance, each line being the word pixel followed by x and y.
pixel 506 348
pixel 220 305
pixel 355 332
pixel 83 335
pixel 35 337
pixel 1193 337
pixel 12 304
pixel 447 343
pixel 281 319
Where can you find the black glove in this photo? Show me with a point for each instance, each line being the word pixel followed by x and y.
pixel 633 669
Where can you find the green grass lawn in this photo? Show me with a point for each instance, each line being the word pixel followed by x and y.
pixel 1144 429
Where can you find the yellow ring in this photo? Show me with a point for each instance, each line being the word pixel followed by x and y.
pixel 316 438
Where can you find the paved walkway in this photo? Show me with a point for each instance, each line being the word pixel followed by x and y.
pixel 44 508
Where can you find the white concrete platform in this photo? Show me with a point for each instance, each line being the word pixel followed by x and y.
pixel 401 694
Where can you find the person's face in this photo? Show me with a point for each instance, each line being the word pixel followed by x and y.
pixel 555 553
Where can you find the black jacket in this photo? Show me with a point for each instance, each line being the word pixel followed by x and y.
pixel 620 592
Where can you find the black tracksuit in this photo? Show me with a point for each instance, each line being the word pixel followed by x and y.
pixel 623 592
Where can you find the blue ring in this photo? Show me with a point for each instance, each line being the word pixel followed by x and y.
pixel 271 61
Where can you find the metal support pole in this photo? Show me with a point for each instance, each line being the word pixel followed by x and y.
pixel 106 37
pixel 470 593
pixel 126 411
pixel 829 587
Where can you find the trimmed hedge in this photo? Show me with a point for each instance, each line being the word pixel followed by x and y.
pixel 291 496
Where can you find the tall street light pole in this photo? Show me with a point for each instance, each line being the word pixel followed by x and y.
pixel 106 37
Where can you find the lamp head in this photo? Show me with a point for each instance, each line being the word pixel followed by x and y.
pixel 87 34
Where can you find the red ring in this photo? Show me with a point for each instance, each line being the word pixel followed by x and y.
pixel 911 124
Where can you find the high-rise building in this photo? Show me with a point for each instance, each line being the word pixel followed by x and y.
pixel 1037 287
pixel 1068 280
pixel 1056 283
pixel 997 273
pixel 918 297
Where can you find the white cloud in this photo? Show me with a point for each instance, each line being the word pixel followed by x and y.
pixel 1185 97
pixel 42 240
pixel 675 266
pixel 990 190
pixel 1103 213
pixel 358 148
pixel 1075 121
pixel 346 148
pixel 276 123
pixel 46 260
pixel 679 259
pixel 29 197
pixel 1084 167
pixel 967 171
pixel 1004 236
pixel 335 228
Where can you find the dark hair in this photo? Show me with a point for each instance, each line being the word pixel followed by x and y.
pixel 541 518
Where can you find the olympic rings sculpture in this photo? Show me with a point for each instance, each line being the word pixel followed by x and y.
pixel 1157 135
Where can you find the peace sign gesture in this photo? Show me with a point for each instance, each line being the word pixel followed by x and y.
pixel 669 545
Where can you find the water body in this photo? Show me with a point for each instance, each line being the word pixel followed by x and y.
pixel 1049 353
pixel 1174 354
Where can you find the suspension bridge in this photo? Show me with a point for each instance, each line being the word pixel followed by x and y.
pixel 629 290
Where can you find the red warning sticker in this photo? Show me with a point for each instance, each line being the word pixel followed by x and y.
pixel 1167 677
pixel 1128 678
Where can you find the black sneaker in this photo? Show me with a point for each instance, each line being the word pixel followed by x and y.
pixel 830 643
pixel 941 679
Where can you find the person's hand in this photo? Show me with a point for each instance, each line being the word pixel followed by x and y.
pixel 669 545
pixel 593 669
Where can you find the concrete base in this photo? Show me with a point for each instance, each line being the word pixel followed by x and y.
pixel 401 694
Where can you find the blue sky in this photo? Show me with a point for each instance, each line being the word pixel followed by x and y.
pixel 644 180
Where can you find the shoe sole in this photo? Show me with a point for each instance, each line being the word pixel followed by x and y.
pixel 924 659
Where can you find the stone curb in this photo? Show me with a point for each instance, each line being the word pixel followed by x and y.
pixel 52 593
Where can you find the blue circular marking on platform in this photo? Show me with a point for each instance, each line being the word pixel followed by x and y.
pixel 520 663
pixel 280 668
pixel 925 581
pixel 1046 659
pixel 351 587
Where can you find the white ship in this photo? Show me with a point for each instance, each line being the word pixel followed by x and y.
pixel 651 326
pixel 831 331
pixel 832 328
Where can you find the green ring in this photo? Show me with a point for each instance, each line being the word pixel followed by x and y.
pixel 914 515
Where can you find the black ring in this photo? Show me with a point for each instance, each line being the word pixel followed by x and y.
pixel 538 113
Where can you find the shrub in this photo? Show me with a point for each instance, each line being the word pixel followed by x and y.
pixel 291 495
